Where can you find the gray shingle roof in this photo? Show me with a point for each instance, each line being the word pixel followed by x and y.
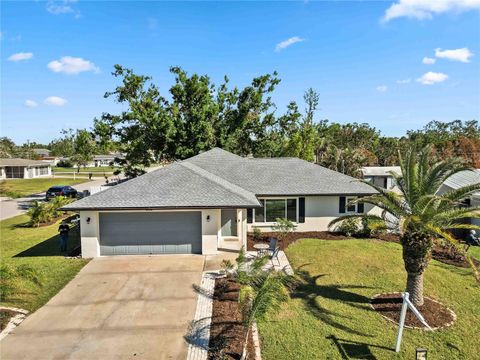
pixel 22 162
pixel 217 178
pixel 278 176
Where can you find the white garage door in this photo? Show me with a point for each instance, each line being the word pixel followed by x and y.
pixel 138 233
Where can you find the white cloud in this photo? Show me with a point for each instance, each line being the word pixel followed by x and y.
pixel 431 78
pixel 30 103
pixel 403 81
pixel 382 88
pixel 429 60
pixel 286 43
pixel 462 55
pixel 21 56
pixel 72 65
pixel 55 101
pixel 58 7
pixel 426 9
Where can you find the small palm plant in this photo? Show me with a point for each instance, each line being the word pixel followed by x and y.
pixel 420 214
pixel 263 294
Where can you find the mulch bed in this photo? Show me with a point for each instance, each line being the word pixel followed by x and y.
pixel 227 332
pixel 5 316
pixel 435 314
pixel 439 253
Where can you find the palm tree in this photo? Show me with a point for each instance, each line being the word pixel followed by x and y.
pixel 420 214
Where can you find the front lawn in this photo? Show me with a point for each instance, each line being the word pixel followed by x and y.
pixel 95 169
pixel 329 316
pixel 16 188
pixel 37 247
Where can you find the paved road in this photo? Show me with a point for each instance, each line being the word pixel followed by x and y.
pixel 124 307
pixel 13 207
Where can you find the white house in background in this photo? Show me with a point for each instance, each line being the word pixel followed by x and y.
pixel 24 169
pixel 41 153
pixel 104 160
pixel 381 175
pixel 461 179
pixel 209 202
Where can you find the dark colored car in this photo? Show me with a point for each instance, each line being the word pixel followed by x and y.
pixel 61 190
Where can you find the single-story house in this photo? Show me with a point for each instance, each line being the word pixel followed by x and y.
pixel 41 153
pixel 105 160
pixel 24 169
pixel 461 179
pixel 210 202
pixel 381 175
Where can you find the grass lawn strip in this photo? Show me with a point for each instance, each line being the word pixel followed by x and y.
pixel 17 188
pixel 39 248
pixel 329 314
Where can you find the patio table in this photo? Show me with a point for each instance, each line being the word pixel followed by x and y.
pixel 261 248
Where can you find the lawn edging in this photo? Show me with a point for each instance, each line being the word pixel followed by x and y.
pixel 199 334
pixel 14 320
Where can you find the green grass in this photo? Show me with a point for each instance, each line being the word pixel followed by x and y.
pixel 16 188
pixel 39 248
pixel 100 169
pixel 475 252
pixel 329 313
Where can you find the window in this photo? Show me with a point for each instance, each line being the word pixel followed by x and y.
pixel 260 213
pixel 276 208
pixel 351 207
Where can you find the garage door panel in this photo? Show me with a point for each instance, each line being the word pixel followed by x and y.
pixel 150 233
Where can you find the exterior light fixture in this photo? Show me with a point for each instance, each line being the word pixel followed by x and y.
pixel 88 220
pixel 208 218
pixel 421 354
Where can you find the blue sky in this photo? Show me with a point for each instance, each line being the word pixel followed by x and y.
pixel 366 59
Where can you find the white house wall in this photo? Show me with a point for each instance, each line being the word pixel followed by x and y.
pixel 319 211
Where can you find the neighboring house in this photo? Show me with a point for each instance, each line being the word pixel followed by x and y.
pixel 461 179
pixel 41 153
pixel 104 160
pixel 381 175
pixel 209 202
pixel 23 169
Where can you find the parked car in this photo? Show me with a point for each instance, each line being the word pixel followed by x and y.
pixel 61 190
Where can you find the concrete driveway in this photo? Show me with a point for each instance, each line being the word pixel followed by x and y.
pixel 132 307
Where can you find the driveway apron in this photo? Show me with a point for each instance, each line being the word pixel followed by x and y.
pixel 128 307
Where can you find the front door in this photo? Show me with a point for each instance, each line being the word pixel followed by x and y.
pixel 229 222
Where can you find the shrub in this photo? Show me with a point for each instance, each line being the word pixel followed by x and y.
pixel 42 213
pixel 65 163
pixel 257 234
pixel 349 227
pixel 283 227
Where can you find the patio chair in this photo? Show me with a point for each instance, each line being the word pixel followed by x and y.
pixel 275 256
pixel 272 246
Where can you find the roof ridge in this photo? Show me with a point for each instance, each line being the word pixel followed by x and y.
pixel 247 195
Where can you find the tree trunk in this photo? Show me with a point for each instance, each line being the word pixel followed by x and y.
pixel 416 256
pixel 415 288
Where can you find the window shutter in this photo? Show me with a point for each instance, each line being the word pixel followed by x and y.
pixel 341 208
pixel 360 207
pixel 249 216
pixel 301 210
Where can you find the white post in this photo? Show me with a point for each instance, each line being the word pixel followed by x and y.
pixel 401 324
